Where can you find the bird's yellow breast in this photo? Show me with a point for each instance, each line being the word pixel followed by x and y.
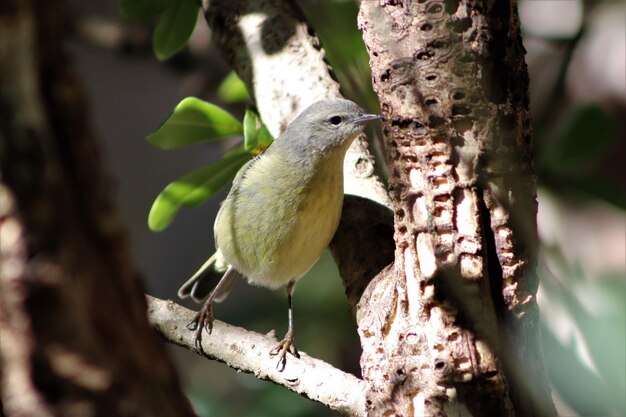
pixel 276 222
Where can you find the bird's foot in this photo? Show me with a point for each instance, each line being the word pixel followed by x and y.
pixel 202 320
pixel 282 348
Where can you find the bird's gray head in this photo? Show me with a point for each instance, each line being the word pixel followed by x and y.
pixel 324 126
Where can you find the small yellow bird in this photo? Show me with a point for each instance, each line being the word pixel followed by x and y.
pixel 283 210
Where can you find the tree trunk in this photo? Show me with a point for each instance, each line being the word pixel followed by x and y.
pixel 438 327
pixel 74 337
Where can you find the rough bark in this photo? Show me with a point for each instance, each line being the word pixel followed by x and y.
pixel 74 337
pixel 436 327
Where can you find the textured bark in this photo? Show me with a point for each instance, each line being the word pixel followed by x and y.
pixel 75 339
pixel 436 327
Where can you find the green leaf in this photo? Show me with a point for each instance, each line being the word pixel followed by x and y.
pixel 192 121
pixel 174 28
pixel 265 137
pixel 137 9
pixel 250 130
pixel 255 133
pixel 589 135
pixel 232 89
pixel 193 189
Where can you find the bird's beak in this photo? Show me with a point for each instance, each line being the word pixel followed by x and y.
pixel 364 118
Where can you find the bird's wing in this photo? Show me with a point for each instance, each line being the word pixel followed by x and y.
pixel 233 190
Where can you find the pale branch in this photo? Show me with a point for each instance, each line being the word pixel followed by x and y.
pixel 248 352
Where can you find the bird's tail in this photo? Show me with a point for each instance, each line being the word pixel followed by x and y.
pixel 199 286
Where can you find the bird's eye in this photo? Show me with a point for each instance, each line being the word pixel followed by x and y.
pixel 335 120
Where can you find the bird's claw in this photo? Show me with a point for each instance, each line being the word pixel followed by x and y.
pixel 202 320
pixel 281 349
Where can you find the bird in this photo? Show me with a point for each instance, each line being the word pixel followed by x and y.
pixel 282 211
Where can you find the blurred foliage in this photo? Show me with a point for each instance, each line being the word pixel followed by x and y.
pixel 176 21
pixel 590 133
pixel 584 336
pixel 232 89
pixel 140 9
pixel 583 317
pixel 570 162
pixel 174 28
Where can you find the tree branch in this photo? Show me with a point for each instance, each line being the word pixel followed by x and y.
pixel 248 352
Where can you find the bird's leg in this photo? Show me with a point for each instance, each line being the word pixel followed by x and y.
pixel 204 317
pixel 286 345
